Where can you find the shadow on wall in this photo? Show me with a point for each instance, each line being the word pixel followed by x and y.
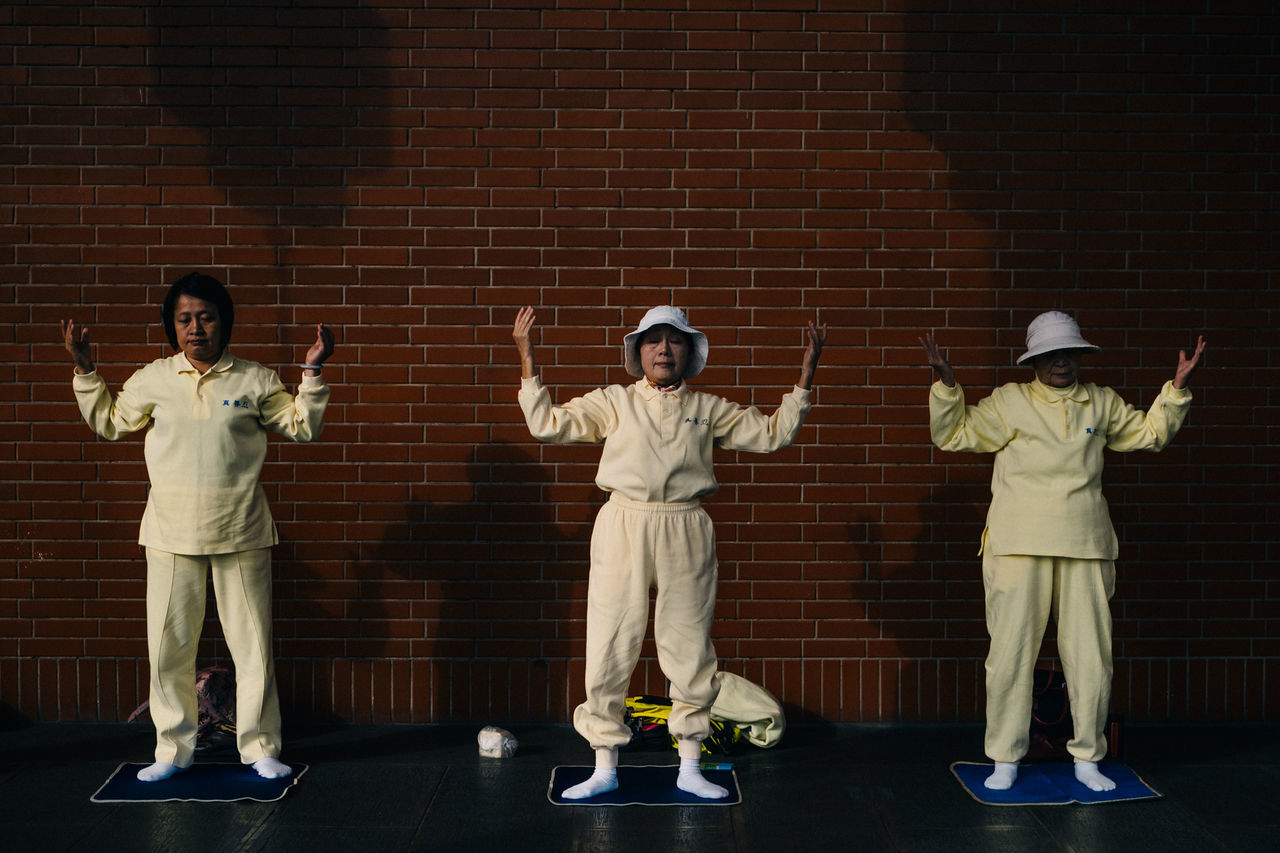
pixel 921 602
pixel 275 101
pixel 1117 166
pixel 1103 152
pixel 440 610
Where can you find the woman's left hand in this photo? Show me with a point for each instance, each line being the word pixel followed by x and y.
pixel 1187 365
pixel 817 336
pixel 322 348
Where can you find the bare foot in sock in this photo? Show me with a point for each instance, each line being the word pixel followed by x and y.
pixel 692 781
pixel 602 781
pixel 1003 777
pixel 272 768
pixel 1088 775
pixel 159 770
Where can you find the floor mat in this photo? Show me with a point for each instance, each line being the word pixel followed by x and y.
pixel 199 783
pixel 1052 785
pixel 642 785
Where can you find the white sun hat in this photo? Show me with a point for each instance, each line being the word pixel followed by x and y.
pixel 671 316
pixel 1051 331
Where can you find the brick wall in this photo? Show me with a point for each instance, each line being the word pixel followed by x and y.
pixel 411 174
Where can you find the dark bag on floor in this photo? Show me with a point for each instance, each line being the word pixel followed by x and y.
pixel 1051 723
pixel 215 708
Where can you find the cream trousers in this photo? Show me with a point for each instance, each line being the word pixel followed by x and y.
pixel 636 546
pixel 175 614
pixel 1022 592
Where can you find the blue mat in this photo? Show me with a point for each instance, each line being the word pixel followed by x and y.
pixel 642 785
pixel 199 783
pixel 1052 785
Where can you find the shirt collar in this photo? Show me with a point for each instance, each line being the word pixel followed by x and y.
pixel 1077 393
pixel 647 392
pixel 181 365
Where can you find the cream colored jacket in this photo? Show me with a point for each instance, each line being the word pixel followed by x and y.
pixel 205 444
pixel 657 446
pixel 1046 486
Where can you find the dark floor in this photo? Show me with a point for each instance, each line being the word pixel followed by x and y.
pixel 838 788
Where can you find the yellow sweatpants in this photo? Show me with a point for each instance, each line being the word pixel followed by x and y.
pixel 636 546
pixel 1022 592
pixel 175 614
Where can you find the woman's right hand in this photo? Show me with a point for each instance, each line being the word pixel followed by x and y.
pixel 520 332
pixel 937 360
pixel 76 340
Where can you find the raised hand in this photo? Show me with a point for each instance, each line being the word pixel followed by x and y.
pixel 521 333
pixel 937 360
pixel 817 338
pixel 76 340
pixel 322 348
pixel 1186 366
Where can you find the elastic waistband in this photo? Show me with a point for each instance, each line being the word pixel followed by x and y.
pixel 652 506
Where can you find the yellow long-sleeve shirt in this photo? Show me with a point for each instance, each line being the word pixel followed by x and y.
pixel 205 445
pixel 657 446
pixel 1046 486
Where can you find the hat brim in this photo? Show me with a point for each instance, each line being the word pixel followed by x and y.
pixel 1055 344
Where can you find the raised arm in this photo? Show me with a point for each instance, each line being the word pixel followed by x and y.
pixel 107 415
pixel 817 337
pixel 320 350
pixel 937 360
pixel 1186 366
pixel 524 341
pixel 76 340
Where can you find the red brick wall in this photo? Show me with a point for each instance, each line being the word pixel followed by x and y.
pixel 412 174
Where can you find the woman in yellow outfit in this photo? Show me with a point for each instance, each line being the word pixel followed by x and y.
pixel 1049 547
pixel 658 437
pixel 206 413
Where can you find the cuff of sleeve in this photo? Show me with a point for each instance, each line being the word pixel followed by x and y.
pixel 309 381
pixel 1177 395
pixel 802 394
pixel 532 384
pixel 85 380
pixel 945 391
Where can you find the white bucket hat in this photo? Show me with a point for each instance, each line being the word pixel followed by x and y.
pixel 671 316
pixel 1051 331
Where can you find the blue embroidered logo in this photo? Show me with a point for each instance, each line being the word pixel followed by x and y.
pixel 697 422
pixel 237 404
pixel 1094 431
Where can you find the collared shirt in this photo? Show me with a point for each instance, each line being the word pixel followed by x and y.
pixel 658 445
pixel 1046 485
pixel 206 441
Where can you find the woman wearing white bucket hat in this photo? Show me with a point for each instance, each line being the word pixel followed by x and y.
pixel 1049 544
pixel 658 438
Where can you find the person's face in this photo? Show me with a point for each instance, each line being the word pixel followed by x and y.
pixel 199 330
pixel 664 354
pixel 1058 369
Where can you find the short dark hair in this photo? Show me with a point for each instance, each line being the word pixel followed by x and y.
pixel 204 287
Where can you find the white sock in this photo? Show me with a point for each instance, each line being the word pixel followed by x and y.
pixel 1088 775
pixel 159 770
pixel 602 781
pixel 692 780
pixel 1003 777
pixel 272 768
